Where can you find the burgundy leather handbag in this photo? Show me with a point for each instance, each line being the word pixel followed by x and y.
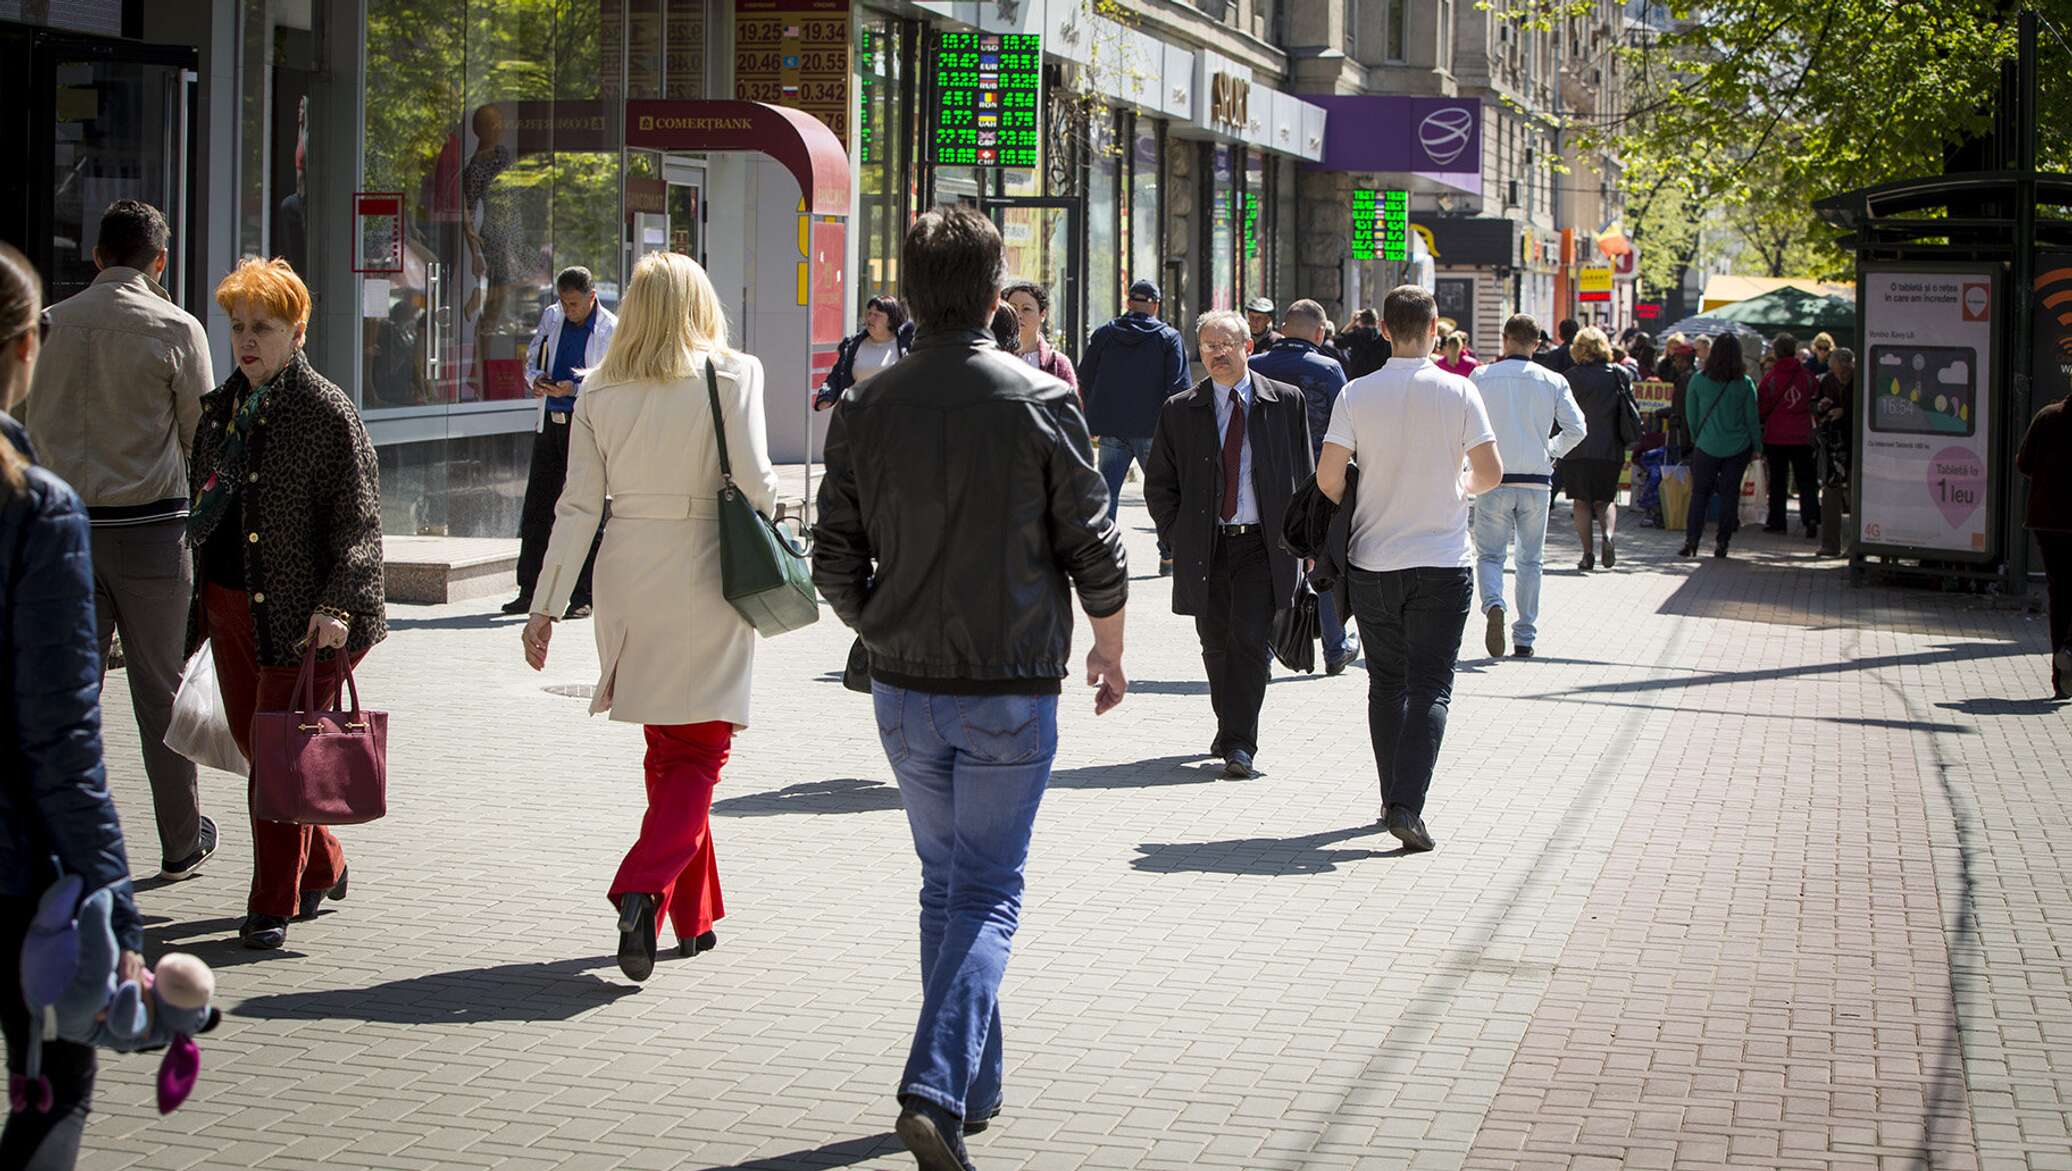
pixel 320 767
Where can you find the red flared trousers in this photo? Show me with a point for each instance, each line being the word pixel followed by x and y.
pixel 287 859
pixel 673 857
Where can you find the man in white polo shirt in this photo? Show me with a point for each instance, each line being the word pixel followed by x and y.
pixel 1411 426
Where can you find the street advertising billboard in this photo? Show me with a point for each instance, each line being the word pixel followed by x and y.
pixel 2051 331
pixel 1925 433
pixel 1594 282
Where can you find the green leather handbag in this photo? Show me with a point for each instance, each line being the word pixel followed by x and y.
pixel 763 568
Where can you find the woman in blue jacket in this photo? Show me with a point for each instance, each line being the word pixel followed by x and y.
pixel 55 811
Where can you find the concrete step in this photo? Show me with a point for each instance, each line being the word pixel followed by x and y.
pixel 432 570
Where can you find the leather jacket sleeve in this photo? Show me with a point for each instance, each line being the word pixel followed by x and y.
pixel 1087 541
pixel 841 545
pixel 57 707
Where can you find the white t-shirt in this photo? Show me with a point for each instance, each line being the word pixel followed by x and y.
pixel 1409 426
pixel 873 358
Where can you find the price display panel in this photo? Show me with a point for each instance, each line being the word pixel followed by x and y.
pixel 990 99
pixel 1381 225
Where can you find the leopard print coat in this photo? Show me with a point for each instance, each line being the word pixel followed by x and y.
pixel 309 512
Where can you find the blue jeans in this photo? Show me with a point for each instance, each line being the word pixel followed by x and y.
pixel 1411 621
pixel 1115 456
pixel 971 771
pixel 1336 645
pixel 1502 513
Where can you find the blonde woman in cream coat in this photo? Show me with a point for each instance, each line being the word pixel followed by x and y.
pixel 675 655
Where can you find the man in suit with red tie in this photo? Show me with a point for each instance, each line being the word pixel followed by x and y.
pixel 1227 456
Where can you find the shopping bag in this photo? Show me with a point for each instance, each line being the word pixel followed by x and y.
pixel 313 767
pixel 1676 495
pixel 200 727
pixel 1755 494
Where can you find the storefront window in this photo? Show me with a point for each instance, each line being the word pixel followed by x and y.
pixel 1140 211
pixel 1104 244
pixel 1219 196
pixel 1253 210
pixel 882 165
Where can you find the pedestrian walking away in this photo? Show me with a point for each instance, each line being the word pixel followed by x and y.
pixel 673 654
pixel 1590 471
pixel 1525 402
pixel 1560 358
pixel 113 410
pixel 286 531
pixel 1454 357
pixel 1785 402
pixel 574 334
pixel 1228 457
pixel 1365 349
pixel 1726 432
pixel 886 336
pixel 56 816
pixel 1132 365
pixel 1410 563
pixel 2046 458
pixel 1299 361
pixel 1031 305
pixel 966 700
pixel 1834 443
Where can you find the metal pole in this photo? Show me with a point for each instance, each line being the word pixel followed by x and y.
pixel 2021 367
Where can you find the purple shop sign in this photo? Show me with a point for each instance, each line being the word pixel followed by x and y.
pixel 1389 132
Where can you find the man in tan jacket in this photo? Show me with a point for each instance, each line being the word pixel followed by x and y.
pixel 113 410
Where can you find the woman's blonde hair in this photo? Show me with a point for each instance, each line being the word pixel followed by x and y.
pixel 670 313
pixel 1591 346
pixel 21 304
pixel 1458 337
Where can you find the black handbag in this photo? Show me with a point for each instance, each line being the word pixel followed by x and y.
pixel 1295 633
pixel 763 568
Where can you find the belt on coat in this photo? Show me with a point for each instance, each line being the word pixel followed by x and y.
pixel 663 506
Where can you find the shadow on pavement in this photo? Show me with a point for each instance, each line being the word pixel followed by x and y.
pixel 1201 686
pixel 1140 774
pixel 1995 706
pixel 487 621
pixel 845 795
pixel 1267 856
pixel 554 991
pixel 1955 652
pixel 213 941
pixel 842 1154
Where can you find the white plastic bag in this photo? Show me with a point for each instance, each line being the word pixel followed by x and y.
pixel 1755 493
pixel 200 727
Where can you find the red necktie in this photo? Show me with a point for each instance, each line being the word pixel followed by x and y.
pixel 1233 455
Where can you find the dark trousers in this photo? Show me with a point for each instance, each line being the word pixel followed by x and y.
pixel 1410 625
pixel 288 861
pixel 1235 623
pixel 1788 462
pixel 2057 577
pixel 536 524
pixel 1715 474
pixel 39 1141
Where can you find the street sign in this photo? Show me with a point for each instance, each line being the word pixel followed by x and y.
pixel 1594 283
pixel 1626 265
pixel 989 92
pixel 1381 225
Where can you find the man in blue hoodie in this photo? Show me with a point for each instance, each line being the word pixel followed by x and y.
pixel 1132 366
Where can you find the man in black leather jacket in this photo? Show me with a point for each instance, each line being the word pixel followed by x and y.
pixel 960 509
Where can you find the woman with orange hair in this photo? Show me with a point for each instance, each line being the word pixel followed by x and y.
pixel 286 529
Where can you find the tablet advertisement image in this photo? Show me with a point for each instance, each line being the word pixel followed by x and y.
pixel 1926 396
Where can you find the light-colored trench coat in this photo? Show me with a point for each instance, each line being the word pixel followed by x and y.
pixel 673 651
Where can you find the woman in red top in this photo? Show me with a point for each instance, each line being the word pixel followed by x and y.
pixel 1453 355
pixel 1785 403
pixel 1031 304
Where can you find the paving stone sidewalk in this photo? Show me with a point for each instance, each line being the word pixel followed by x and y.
pixel 1748 868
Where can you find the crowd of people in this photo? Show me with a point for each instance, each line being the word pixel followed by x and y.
pixel 146 500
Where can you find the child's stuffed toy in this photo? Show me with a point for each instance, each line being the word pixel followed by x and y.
pixel 68 981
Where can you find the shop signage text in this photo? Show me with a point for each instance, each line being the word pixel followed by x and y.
pixel 1392 132
pixel 795 53
pixel 1594 283
pixel 1230 99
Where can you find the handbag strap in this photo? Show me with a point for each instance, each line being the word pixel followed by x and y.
pixel 304 699
pixel 719 425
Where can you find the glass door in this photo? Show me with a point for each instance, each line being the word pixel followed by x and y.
pixel 1046 243
pixel 116 122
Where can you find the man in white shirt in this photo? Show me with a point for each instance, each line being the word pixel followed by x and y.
pixel 1413 426
pixel 1525 401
